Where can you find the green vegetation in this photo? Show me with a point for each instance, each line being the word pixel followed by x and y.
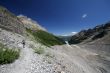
pixel 39 50
pixel 7 55
pixel 45 37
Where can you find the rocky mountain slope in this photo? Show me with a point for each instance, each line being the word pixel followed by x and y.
pixel 10 22
pixel 20 24
pixel 30 24
pixel 97 41
pixel 38 32
pixel 90 35
pixel 34 56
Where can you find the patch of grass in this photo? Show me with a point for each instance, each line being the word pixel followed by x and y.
pixel 45 38
pixel 7 55
pixel 39 50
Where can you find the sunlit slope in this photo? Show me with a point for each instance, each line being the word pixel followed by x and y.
pixel 45 38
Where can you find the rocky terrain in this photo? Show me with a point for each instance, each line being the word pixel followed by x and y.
pixel 35 57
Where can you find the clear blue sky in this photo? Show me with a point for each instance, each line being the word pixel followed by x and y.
pixel 62 16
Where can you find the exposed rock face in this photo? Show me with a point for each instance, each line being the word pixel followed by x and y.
pixel 91 34
pixel 10 22
pixel 30 24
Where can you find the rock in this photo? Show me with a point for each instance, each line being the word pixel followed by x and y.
pixel 62 72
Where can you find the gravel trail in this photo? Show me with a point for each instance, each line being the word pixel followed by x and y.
pixel 29 62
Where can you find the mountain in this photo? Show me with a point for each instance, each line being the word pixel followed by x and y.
pixel 20 24
pixel 45 38
pixel 16 29
pixel 30 24
pixel 90 35
pixel 65 38
pixel 19 31
pixel 10 22
pixel 39 33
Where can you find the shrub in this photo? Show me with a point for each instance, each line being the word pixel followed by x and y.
pixel 7 55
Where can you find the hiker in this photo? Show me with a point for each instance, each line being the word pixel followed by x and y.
pixel 23 42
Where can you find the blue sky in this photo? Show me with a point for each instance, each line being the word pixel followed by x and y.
pixel 62 16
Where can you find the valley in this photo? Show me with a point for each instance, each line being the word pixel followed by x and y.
pixel 35 50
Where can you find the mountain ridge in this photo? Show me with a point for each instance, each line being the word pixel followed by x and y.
pixel 30 24
pixel 91 34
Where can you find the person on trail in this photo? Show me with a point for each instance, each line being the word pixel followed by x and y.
pixel 23 42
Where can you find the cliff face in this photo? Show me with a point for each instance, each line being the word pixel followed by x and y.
pixel 10 22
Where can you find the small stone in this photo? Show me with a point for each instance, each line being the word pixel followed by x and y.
pixel 62 72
